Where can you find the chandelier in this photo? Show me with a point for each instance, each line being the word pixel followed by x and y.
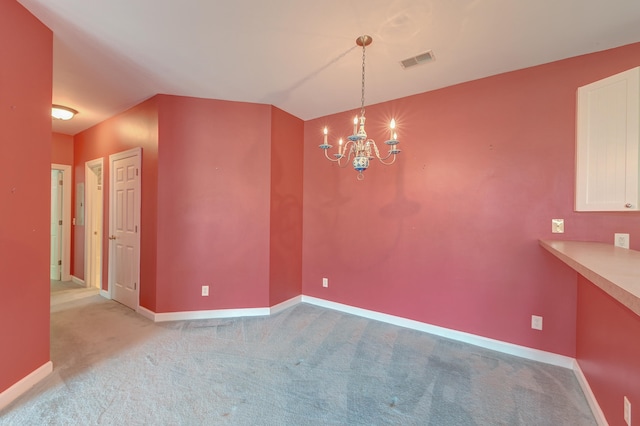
pixel 358 145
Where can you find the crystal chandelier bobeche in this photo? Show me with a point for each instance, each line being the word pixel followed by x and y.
pixel 358 145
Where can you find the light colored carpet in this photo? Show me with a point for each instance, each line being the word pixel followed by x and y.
pixel 66 291
pixel 59 286
pixel 304 366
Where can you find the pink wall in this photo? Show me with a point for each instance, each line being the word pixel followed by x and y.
pixel 61 149
pixel 285 264
pixel 207 201
pixel 213 204
pixel 608 349
pixel 136 127
pixel 25 178
pixel 448 235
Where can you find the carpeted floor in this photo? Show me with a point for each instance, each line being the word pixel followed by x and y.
pixel 59 286
pixel 66 291
pixel 304 366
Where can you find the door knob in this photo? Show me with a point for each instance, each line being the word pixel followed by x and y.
pixel 628 205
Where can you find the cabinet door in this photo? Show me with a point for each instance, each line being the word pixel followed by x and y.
pixel 608 126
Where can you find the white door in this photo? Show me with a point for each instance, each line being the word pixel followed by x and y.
pixel 56 225
pixel 61 195
pixel 124 235
pixel 93 223
pixel 96 239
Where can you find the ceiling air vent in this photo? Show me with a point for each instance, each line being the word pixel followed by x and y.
pixel 422 58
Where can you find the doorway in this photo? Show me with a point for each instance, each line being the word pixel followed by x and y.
pixel 60 256
pixel 94 201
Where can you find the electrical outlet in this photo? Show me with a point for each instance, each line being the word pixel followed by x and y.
pixel 325 282
pixel 627 411
pixel 621 240
pixel 205 290
pixel 557 226
pixel 536 322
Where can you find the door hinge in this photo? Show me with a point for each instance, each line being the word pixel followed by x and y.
pixel 60 182
pixel 136 229
pixel 59 262
pixel 135 286
pixel 60 222
pixel 136 172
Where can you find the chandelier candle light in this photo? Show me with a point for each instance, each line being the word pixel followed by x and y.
pixel 358 146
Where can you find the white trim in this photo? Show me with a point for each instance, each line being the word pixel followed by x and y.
pixel 105 294
pixel 66 219
pixel 485 342
pixel 77 280
pixel 217 313
pixel 285 305
pixel 588 393
pixel 198 315
pixel 26 383
pixel 146 313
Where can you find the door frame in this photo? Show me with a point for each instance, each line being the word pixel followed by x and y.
pixel 134 152
pixel 89 200
pixel 65 249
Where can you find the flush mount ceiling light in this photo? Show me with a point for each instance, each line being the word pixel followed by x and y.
pixel 358 145
pixel 60 112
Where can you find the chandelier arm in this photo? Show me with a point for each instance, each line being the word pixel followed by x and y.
pixel 349 145
pixel 337 160
pixel 389 163
pixel 377 152
pixel 375 149
pixel 346 156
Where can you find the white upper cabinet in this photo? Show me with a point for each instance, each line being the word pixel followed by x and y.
pixel 608 135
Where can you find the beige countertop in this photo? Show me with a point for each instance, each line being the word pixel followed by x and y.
pixel 615 270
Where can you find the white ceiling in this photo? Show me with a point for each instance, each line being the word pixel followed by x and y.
pixel 300 55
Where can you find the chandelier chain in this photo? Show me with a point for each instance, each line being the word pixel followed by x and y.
pixel 362 98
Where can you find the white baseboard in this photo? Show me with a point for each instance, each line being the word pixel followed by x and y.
pixel 148 314
pixel 26 383
pixel 105 294
pixel 77 280
pixel 217 313
pixel 588 393
pixel 285 305
pixel 485 342
pixel 198 315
